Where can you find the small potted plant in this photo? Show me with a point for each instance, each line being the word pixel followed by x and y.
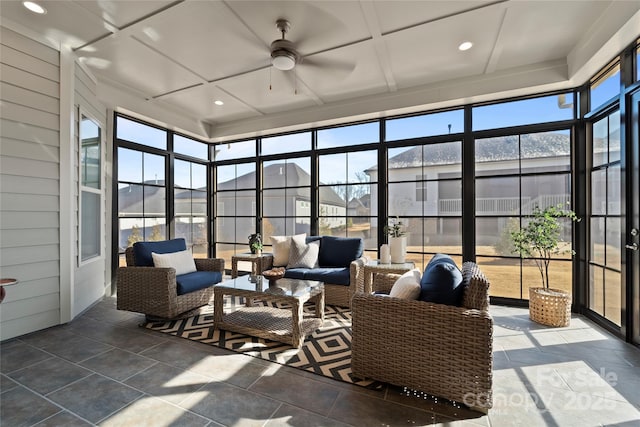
pixel 540 239
pixel 397 240
pixel 255 244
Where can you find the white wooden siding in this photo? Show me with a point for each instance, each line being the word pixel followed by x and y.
pixel 29 184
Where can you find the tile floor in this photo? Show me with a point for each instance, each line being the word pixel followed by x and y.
pixel 102 369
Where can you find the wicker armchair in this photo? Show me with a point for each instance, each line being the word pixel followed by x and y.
pixel 438 349
pixel 153 291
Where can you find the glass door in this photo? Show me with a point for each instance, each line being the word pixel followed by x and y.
pixel 632 236
pixel 606 286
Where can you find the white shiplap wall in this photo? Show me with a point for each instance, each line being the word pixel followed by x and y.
pixel 29 183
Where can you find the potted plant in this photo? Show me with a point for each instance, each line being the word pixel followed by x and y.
pixel 397 240
pixel 540 239
pixel 255 244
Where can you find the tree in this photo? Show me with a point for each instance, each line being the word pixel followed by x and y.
pixel 540 238
pixel 156 233
pixel 323 222
pixel 353 190
pixel 135 236
pixel 504 246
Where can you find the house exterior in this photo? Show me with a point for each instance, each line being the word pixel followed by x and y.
pixel 286 196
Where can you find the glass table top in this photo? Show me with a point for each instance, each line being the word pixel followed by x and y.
pixel 284 287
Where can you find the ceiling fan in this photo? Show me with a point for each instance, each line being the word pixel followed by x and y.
pixel 285 56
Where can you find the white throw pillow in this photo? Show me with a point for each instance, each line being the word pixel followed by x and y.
pixel 281 248
pixel 182 261
pixel 303 255
pixel 407 286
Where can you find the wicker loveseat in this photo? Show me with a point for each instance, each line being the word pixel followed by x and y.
pixel 340 265
pixel 157 292
pixel 438 349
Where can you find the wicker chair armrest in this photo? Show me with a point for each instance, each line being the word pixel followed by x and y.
pixel 148 290
pixel 356 272
pixel 382 282
pixel 154 280
pixel 210 264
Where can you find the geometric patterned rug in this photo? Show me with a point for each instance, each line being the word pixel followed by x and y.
pixel 326 352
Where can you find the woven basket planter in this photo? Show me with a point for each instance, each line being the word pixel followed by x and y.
pixel 550 307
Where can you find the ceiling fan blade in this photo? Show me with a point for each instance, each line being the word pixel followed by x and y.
pixel 326 63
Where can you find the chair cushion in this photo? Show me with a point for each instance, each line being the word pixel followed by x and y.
pixel 182 261
pixel 339 251
pixel 407 286
pixel 441 282
pixel 197 280
pixel 295 273
pixel 142 250
pixel 302 254
pixel 281 247
pixel 331 275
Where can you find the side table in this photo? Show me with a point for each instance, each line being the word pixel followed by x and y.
pixel 3 283
pixel 259 263
pixel 375 266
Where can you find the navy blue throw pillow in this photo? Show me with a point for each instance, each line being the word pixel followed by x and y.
pixel 440 258
pixel 339 251
pixel 441 282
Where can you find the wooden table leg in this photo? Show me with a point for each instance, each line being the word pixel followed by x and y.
pixel 320 306
pixel 234 267
pixel 218 307
pixel 296 319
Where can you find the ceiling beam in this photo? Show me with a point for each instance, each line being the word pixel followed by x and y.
pixel 498 45
pixel 371 18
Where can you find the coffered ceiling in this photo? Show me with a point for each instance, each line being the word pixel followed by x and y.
pixel 169 61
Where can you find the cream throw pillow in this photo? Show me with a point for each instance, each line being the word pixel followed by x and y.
pixel 281 248
pixel 303 255
pixel 182 261
pixel 407 286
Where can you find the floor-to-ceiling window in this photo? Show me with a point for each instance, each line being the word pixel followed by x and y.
pixel 425 182
pixel 153 204
pixel 347 183
pixel 286 185
pixel 235 190
pixel 235 207
pixel 605 266
pixel 525 165
pixel 286 197
pixel 605 291
pixel 190 194
pixel 142 192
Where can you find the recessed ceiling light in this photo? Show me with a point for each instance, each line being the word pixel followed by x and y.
pixel 465 46
pixel 218 102
pixel 34 7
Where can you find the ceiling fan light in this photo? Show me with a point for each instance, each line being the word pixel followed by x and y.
pixel 283 60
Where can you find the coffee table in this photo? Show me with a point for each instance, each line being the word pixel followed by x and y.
pixel 287 324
